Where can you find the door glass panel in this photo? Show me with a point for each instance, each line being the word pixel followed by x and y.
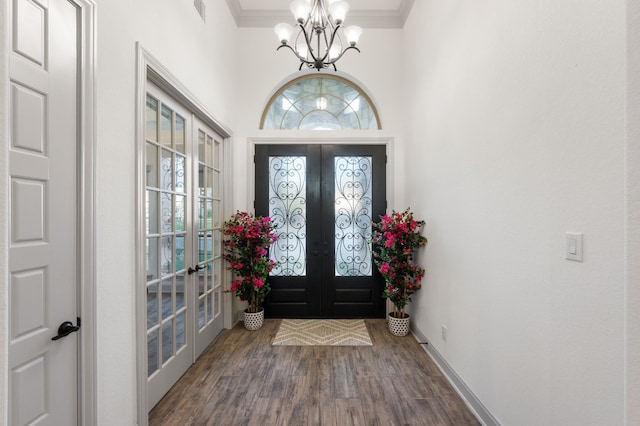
pixel 152 351
pixel 201 142
pixel 217 246
pixel 201 179
pixel 216 155
pixel 180 329
pixel 152 165
pixel 209 180
pixel 180 134
pixel 216 213
pixel 165 126
pixel 179 214
pixel 167 298
pixel 151 214
pixel 209 221
pixel 166 208
pixel 152 119
pixel 216 303
pixel 217 282
pixel 180 292
pixel 201 321
pixel 179 176
pixel 166 171
pixel 152 305
pixel 353 204
pixel 180 241
pixel 287 208
pixel 209 156
pixel 167 340
pixel 201 247
pixel 153 258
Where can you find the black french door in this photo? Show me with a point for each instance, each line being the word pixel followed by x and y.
pixel 322 199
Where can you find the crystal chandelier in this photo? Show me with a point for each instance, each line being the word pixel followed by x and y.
pixel 318 43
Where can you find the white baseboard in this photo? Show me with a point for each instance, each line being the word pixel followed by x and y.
pixel 475 405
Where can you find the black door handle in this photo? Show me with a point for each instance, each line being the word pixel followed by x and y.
pixel 194 270
pixel 66 328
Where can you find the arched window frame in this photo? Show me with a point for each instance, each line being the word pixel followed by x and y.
pixel 310 76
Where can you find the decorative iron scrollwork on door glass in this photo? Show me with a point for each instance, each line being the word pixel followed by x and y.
pixel 353 204
pixel 287 208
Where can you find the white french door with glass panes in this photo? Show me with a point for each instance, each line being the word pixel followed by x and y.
pixel 182 240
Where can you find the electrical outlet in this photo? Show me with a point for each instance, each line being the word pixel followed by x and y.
pixel 444 332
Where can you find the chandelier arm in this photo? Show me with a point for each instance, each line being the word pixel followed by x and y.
pixel 343 52
pixel 290 48
pixel 303 60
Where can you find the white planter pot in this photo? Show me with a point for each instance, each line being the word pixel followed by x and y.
pixel 398 326
pixel 253 320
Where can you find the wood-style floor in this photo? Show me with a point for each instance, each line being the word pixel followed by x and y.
pixel 242 380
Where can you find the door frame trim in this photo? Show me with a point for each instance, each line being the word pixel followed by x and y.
pixel 88 133
pixel 87 347
pixel 148 68
pixel 387 141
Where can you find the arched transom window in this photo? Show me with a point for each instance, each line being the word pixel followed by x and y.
pixel 320 103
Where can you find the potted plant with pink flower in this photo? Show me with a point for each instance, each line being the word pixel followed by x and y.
pixel 395 238
pixel 246 250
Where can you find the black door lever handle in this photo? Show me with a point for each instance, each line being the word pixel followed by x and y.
pixel 66 328
pixel 194 270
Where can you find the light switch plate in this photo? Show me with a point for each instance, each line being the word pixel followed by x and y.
pixel 573 247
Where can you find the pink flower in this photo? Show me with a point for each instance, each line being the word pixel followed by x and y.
pixel 384 268
pixel 390 241
pixel 258 282
pixel 235 284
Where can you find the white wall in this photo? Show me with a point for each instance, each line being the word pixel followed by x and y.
pixel 202 57
pixel 633 215
pixel 516 134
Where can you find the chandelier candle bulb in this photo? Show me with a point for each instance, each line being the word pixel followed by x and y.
pixel 300 10
pixel 352 33
pixel 338 11
pixel 284 32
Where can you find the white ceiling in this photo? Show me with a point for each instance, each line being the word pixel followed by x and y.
pixel 366 13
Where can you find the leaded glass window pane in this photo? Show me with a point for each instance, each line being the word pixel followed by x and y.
pixel 287 208
pixel 320 103
pixel 353 203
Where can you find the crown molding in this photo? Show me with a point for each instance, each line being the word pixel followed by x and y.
pixel 365 18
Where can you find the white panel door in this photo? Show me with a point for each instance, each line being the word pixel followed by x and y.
pixel 43 206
